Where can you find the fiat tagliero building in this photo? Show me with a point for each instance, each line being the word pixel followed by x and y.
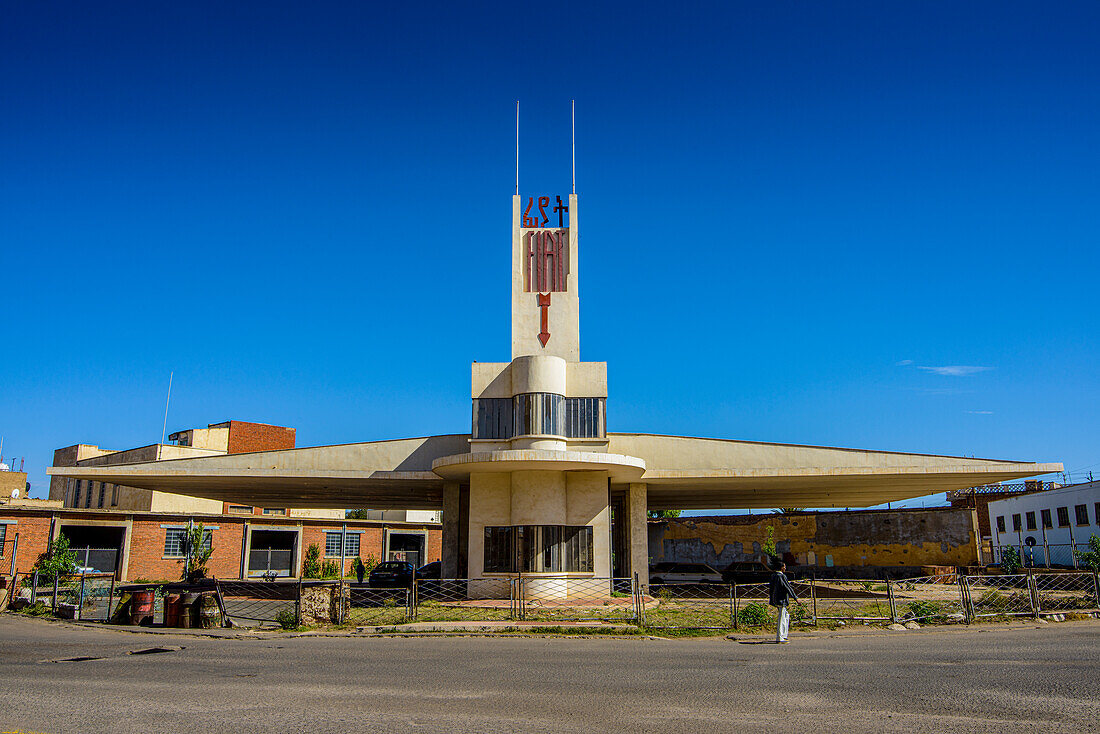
pixel 539 486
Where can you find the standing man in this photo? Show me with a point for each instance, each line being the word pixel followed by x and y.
pixel 780 592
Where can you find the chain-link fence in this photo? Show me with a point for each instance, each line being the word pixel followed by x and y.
pixel 929 599
pixel 851 600
pixel 558 599
pixel 465 600
pixel 941 599
pixel 260 601
pixel 365 605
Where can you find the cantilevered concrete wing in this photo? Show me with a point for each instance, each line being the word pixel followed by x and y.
pixel 702 473
pixel 681 473
pixel 381 475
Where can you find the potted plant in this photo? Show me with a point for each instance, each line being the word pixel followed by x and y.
pixel 360 569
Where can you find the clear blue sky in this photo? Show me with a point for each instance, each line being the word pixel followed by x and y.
pixel 856 224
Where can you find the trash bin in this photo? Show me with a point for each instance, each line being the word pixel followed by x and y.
pixel 141 607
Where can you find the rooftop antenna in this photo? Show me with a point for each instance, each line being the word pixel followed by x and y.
pixel 517 147
pixel 574 125
pixel 164 428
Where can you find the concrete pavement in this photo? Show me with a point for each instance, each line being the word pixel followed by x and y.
pixel 980 679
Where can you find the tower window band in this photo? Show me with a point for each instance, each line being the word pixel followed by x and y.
pixel 538 549
pixel 539 413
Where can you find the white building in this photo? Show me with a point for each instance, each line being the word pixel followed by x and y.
pixel 1045 526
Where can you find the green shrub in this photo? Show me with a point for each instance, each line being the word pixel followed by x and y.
pixel 1091 557
pixel 287 619
pixel 754 615
pixel 929 611
pixel 799 612
pixel 58 560
pixel 311 567
pixel 330 570
pixel 1010 560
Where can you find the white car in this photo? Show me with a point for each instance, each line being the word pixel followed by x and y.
pixel 684 573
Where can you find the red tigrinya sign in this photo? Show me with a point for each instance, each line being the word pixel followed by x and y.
pixel 547 259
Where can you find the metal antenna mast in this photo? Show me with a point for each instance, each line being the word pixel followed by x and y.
pixel 574 124
pixel 165 427
pixel 517 147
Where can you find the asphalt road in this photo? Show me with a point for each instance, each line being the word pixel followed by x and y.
pixel 981 679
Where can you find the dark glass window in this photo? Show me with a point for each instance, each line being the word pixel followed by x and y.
pixel 1082 514
pixel 102 493
pixel 493 418
pixel 76 494
pixel 88 496
pixel 538 549
pixel 1030 519
pixel 1063 517
pixel 1016 523
pixel 1096 512
pixel 1045 516
pixel 1001 523
pixel 584 418
pixel 539 413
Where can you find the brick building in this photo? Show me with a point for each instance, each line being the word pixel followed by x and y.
pixel 217 439
pixel 148 545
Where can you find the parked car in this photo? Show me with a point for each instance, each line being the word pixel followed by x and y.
pixel 392 574
pixel 431 570
pixel 746 572
pixel 684 573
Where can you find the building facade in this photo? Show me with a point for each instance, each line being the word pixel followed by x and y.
pixel 217 439
pixel 149 545
pixel 1045 527
pixel 539 486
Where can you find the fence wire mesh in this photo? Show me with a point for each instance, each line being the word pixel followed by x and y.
pixel 855 600
pixel 555 599
pixel 462 600
pixel 697 606
pixel 996 596
pixel 930 599
pixel 365 605
pixel 259 601
pixel 1066 592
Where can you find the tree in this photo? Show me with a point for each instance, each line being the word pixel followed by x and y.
pixel 662 514
pixel 768 546
pixel 356 514
pixel 1091 557
pixel 197 553
pixel 58 560
pixel 311 567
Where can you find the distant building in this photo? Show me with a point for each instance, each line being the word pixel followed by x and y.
pixel 1045 527
pixel 217 439
pixel 13 484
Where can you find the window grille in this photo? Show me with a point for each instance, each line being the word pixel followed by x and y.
pixel 1063 517
pixel 1044 515
pixel 1082 514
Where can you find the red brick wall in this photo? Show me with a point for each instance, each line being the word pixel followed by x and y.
pixel 245 437
pixel 144 547
pixel 34 538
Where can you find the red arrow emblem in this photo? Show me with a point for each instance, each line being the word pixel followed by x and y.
pixel 544 306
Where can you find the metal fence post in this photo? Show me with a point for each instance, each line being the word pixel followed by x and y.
pixel 813 597
pixel 636 592
pixel 14 552
pixel 733 605
pixel 34 588
pixel 967 601
pixel 110 598
pixel 412 599
pixel 893 601
pixel 298 605
pixel 1033 593
pixel 736 607
pixel 54 605
pixel 1096 587
pixel 80 601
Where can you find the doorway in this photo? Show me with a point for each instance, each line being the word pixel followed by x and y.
pixel 271 552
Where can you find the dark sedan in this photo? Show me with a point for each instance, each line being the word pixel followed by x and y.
pixel 392 575
pixel 431 570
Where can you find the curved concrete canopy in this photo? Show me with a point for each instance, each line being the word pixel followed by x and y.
pixel 682 473
pixel 461 466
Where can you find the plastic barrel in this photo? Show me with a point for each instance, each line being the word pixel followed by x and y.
pixel 141 607
pixel 209 614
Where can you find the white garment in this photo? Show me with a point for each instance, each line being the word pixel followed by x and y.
pixel 783 626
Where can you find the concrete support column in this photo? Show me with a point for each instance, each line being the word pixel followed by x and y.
pixel 636 499
pixel 451 531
